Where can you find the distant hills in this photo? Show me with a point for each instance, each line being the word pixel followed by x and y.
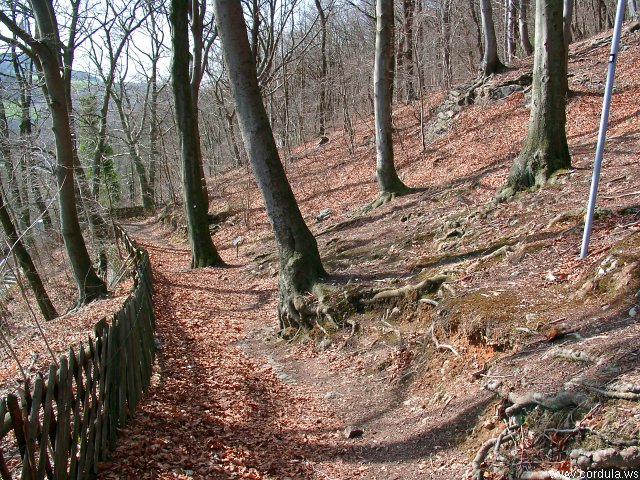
pixel 6 68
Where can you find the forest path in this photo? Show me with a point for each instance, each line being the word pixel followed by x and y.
pixel 212 411
pixel 228 401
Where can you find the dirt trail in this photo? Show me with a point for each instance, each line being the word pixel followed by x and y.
pixel 228 401
pixel 212 411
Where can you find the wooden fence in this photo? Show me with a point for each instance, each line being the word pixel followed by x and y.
pixel 65 424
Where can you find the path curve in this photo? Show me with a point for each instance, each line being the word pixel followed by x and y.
pixel 212 411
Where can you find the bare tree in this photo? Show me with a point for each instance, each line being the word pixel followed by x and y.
pixel 300 264
pixel 45 49
pixel 203 252
pixel 525 42
pixel 118 24
pixel 132 138
pixel 26 263
pixel 322 114
pixel 490 61
pixel 510 29
pixel 567 16
pixel 545 149
pixel 388 180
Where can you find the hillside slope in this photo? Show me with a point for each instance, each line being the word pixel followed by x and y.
pixel 513 274
pixel 427 375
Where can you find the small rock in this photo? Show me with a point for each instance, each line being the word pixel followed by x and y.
pixel 324 345
pixel 331 395
pixel 529 317
pixel 353 432
pixel 633 312
pixel 323 215
pixel 550 277
pixel 606 307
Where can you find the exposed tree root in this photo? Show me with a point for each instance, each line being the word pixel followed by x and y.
pixel 428 285
pixel 563 399
pixel 575 215
pixel 442 346
pixel 314 310
pixel 493 443
pixel 385 197
pixel 569 353
pixel 607 458
pixel 632 396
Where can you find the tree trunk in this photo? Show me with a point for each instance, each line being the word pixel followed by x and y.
pixel 408 12
pixel 490 62
pixel 545 149
pixel 98 152
pixel 476 22
pixel 198 62
pixel 26 264
pixel 203 252
pixel 13 181
pixel 154 132
pixel 323 69
pixel 300 264
pixel 25 82
pixel 511 30
pixel 567 16
pixel 134 153
pixel 388 180
pixel 525 42
pixel 633 10
pixel 445 38
pixel 90 285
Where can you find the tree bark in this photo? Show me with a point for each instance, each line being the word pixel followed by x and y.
pixel 633 9
pixel 323 69
pixel 26 264
pixel 90 285
pixel 203 252
pixel 300 264
pixel 408 12
pixel 199 52
pixel 567 16
pixel 445 38
pixel 388 180
pixel 511 29
pixel 490 61
pixel 476 22
pixel 525 42
pixel 545 149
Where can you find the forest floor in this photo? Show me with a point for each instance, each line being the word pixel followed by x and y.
pixel 421 380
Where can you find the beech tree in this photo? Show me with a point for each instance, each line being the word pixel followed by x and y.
pixel 525 42
pixel 203 252
pixel 383 73
pixel 117 26
pixel 490 61
pixel 545 149
pixel 45 49
pixel 300 265
pixel 322 114
pixel 26 263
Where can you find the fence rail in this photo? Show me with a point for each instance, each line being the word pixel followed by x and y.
pixel 64 425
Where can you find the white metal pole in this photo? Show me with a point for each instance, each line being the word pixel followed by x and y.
pixel 606 105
